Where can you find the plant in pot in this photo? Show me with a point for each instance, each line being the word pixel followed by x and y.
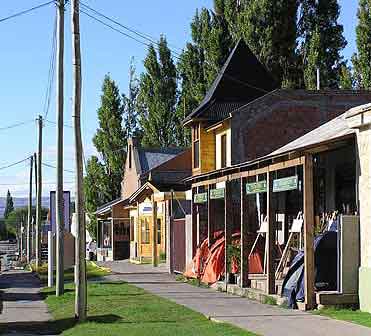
pixel 233 263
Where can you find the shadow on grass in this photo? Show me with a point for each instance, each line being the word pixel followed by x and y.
pixel 45 294
pixel 53 327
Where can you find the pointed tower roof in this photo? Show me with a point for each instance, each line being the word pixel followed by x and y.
pixel 242 79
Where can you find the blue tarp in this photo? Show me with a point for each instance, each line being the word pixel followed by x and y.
pixel 325 258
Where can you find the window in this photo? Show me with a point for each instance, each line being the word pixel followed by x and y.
pixel 223 149
pixel 130 156
pixel 145 230
pixel 196 147
pixel 132 222
pixel 158 231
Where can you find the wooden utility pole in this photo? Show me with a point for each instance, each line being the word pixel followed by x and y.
pixel 80 281
pixel 59 288
pixel 33 248
pixel 29 218
pixel 39 192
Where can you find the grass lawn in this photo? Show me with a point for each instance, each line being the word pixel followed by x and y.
pixel 92 271
pixel 354 316
pixel 123 309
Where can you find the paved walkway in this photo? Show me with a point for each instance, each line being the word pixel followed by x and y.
pixel 23 311
pixel 262 319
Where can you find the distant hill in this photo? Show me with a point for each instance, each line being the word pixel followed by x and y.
pixel 20 202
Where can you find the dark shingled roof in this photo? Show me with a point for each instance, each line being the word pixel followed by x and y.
pixel 242 79
pixel 152 158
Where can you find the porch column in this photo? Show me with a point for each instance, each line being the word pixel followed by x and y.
pixel 154 232
pixel 227 226
pixel 244 271
pixel 210 218
pixel 308 233
pixel 112 238
pixel 270 239
pixel 194 224
pixel 171 234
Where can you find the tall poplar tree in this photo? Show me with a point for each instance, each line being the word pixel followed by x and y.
pixel 102 182
pixel 321 17
pixel 9 205
pixel 269 28
pixel 157 98
pixel 129 105
pixel 362 59
pixel 202 58
pixel 110 140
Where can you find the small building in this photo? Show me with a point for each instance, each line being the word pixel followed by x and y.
pixel 126 226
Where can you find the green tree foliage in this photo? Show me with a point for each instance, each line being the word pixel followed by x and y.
pixel 312 62
pixel 18 216
pixel 269 28
pixel 346 81
pixel 321 17
pixel 362 59
pixel 157 98
pixel 103 177
pixel 97 193
pixel 202 58
pixel 129 105
pixel 9 205
pixel 110 140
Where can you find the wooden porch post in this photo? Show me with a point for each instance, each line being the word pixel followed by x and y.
pixel 154 232
pixel 227 226
pixel 171 233
pixel 210 218
pixel 270 239
pixel 112 236
pixel 194 224
pixel 139 235
pixel 244 271
pixel 308 233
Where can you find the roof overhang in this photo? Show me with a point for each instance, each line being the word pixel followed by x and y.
pixel 107 208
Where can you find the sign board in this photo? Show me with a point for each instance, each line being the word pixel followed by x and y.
pixel 66 211
pixel 217 193
pixel 256 187
pixel 286 183
pixel 200 198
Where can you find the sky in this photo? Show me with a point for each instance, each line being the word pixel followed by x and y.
pixel 25 49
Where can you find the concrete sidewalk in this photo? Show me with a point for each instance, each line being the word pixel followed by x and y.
pixel 261 319
pixel 23 310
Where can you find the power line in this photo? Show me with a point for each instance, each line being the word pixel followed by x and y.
pixel 54 167
pixel 16 125
pixel 115 29
pixel 25 184
pixel 26 11
pixel 51 72
pixel 145 36
pixel 54 123
pixel 15 163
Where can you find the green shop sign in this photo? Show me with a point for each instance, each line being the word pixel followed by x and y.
pixel 256 187
pixel 217 193
pixel 200 198
pixel 284 184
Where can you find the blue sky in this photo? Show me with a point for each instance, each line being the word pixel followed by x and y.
pixel 24 63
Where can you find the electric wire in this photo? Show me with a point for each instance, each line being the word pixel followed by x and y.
pixel 26 11
pixel 16 125
pixel 145 36
pixel 54 167
pixel 51 72
pixel 15 163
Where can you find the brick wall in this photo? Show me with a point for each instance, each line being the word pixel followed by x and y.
pixel 284 115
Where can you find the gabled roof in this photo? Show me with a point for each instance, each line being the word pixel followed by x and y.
pixel 242 79
pixel 108 206
pixel 154 157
